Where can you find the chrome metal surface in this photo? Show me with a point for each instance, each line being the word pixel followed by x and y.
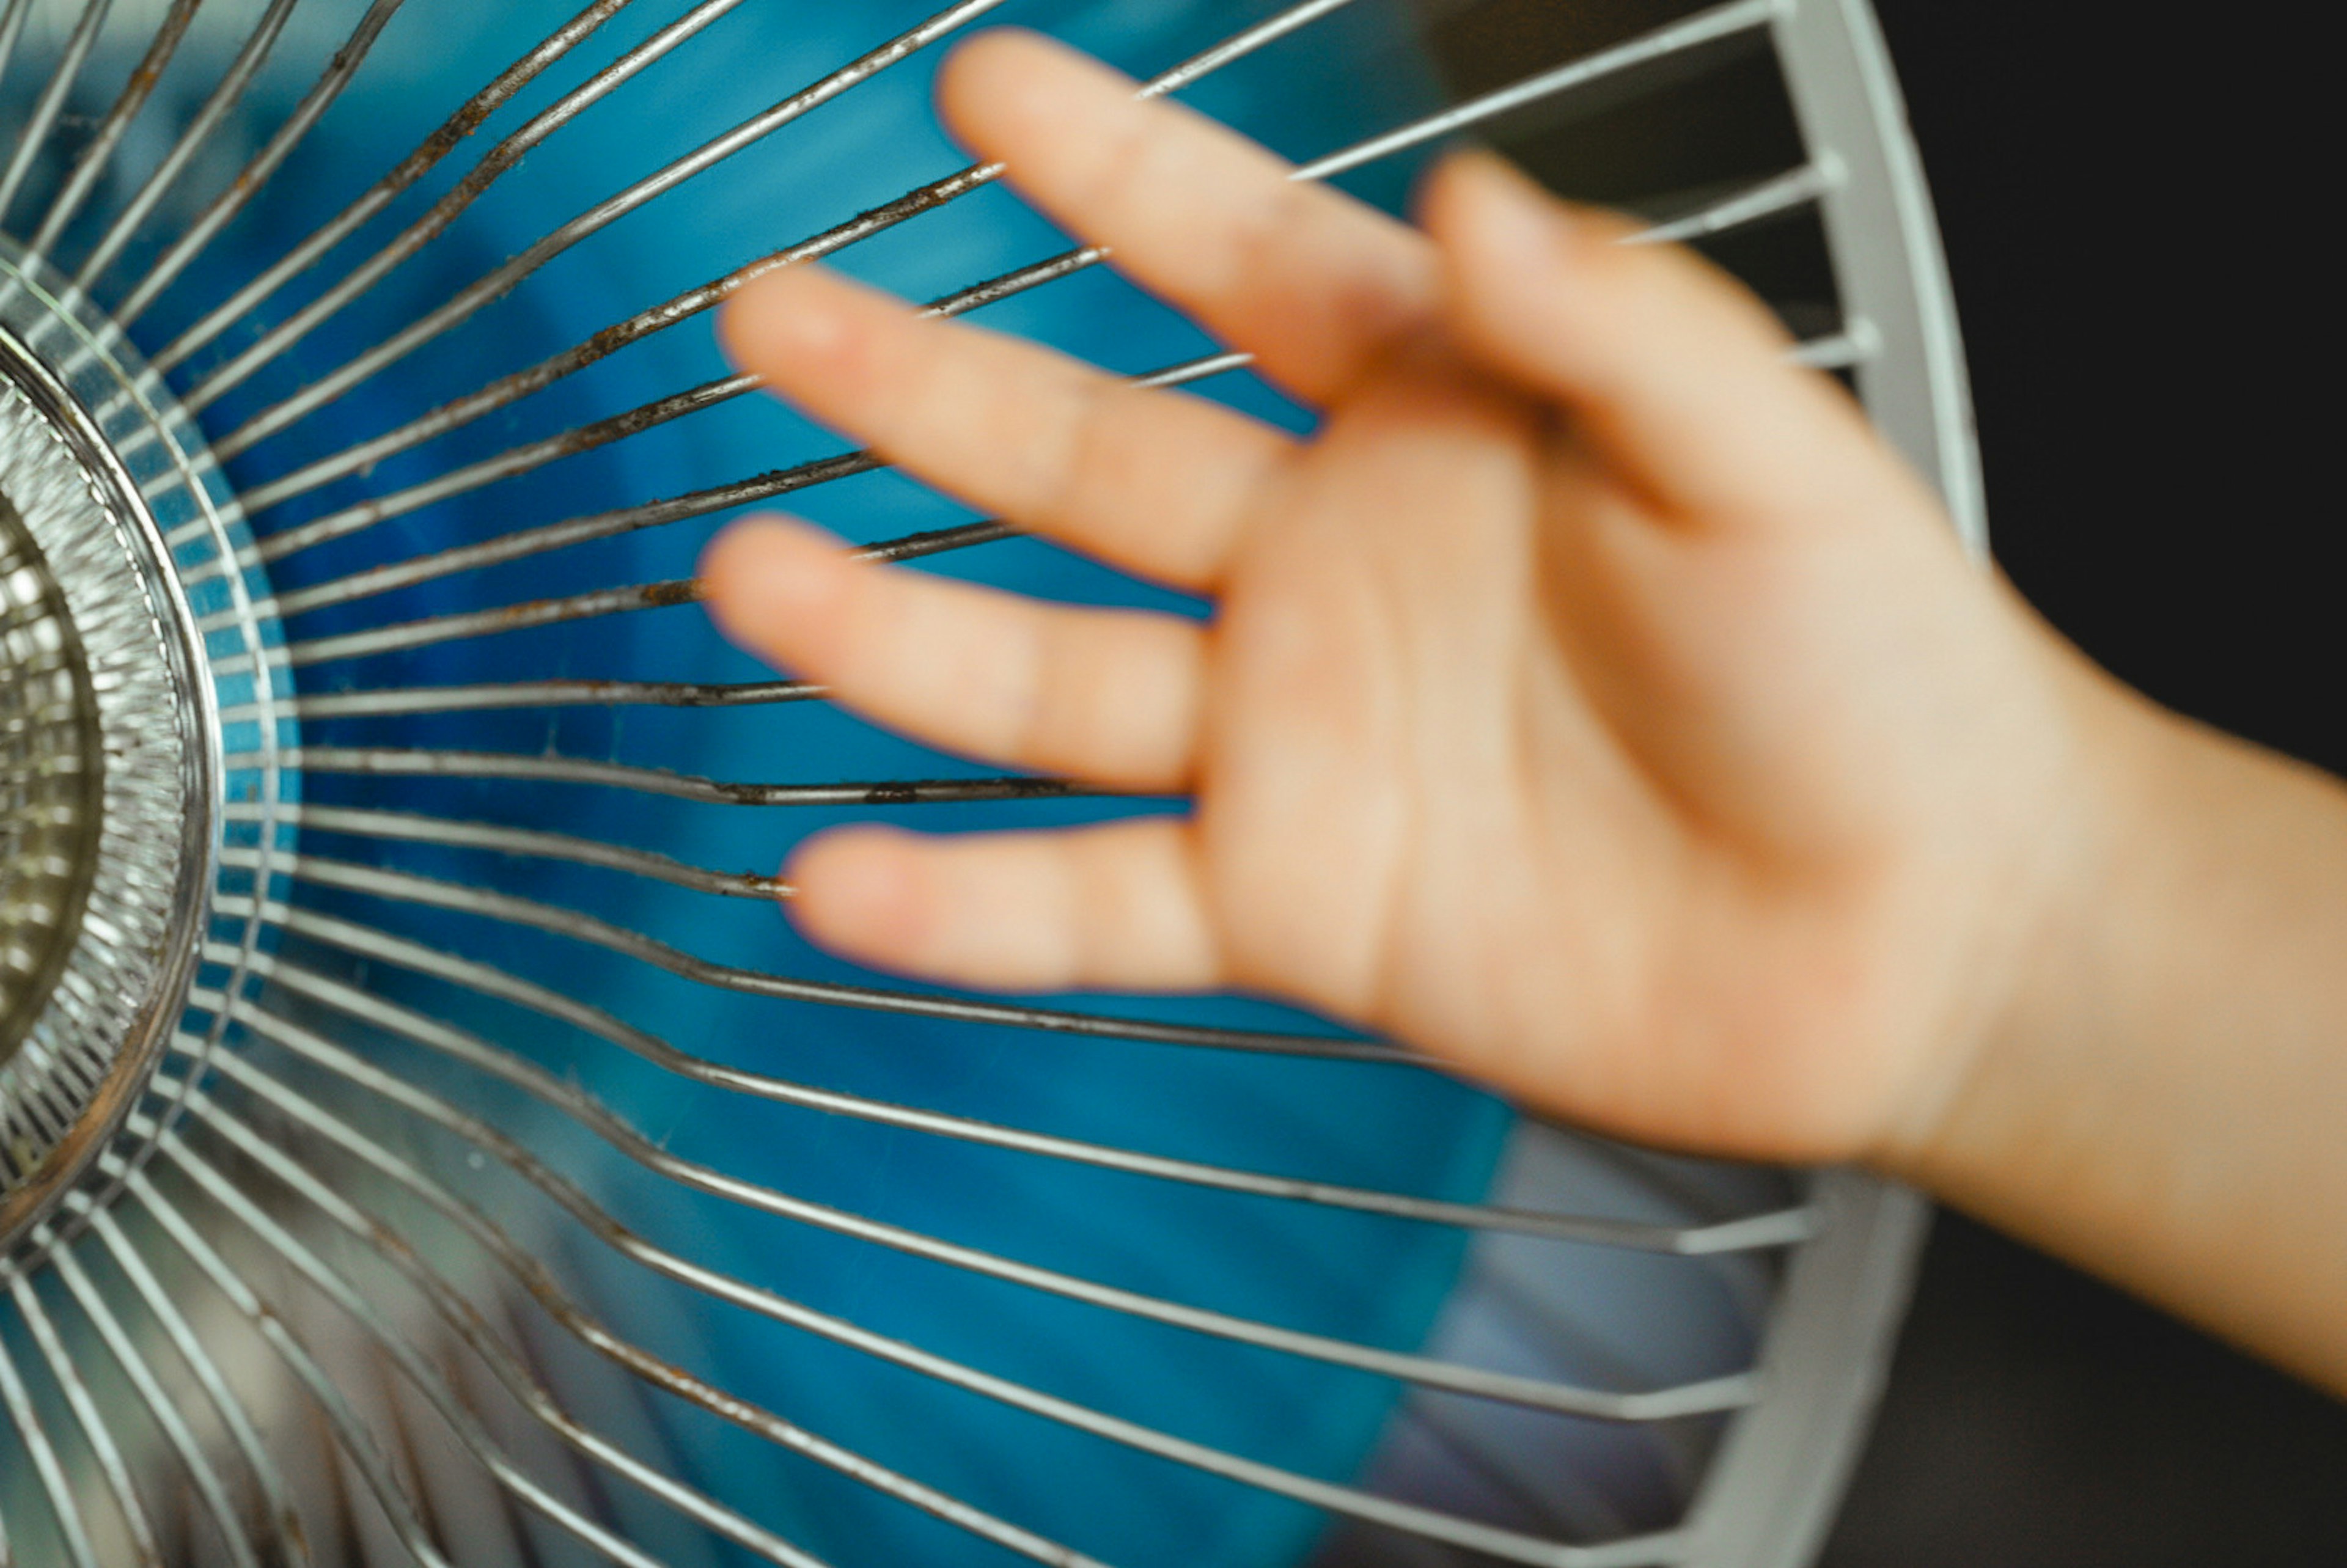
pixel 110 781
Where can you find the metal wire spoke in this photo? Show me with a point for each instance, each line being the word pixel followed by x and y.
pixel 912 1004
pixel 190 141
pixel 89 165
pixel 1696 1399
pixel 356 1439
pixel 1738 21
pixel 419 762
pixel 501 280
pixel 258 171
pixel 1513 1547
pixel 286 1539
pixel 408 827
pixel 612 524
pixel 397 702
pixel 275 547
pixel 65 1508
pixel 1771 1228
pixel 461 1316
pixel 12 28
pixel 42 121
pixel 1857 345
pixel 587 1329
pixel 506 464
pixel 202 1475
pixel 95 1430
pixel 1768 199
pixel 407 888
pixel 443 140
pixel 463 624
pixel 1753 204
pixel 494 164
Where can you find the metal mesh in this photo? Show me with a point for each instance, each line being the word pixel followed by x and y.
pixel 46 812
pixel 500 1181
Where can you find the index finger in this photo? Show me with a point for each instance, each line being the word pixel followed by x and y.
pixel 1315 284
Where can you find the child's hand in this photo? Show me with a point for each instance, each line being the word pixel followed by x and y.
pixel 1593 701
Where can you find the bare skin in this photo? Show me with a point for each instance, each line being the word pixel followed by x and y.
pixel 1593 701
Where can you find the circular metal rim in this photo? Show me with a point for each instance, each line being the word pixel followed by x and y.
pixel 32 1217
pixel 1776 1490
pixel 161 979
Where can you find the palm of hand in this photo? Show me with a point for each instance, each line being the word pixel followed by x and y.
pixel 1569 705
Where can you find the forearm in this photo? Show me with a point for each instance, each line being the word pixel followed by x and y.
pixel 2166 1103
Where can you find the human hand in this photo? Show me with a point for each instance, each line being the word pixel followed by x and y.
pixel 1593 701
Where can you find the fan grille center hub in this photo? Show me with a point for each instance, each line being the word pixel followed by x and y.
pixel 110 775
pixel 49 771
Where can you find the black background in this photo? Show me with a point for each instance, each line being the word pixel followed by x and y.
pixel 2129 199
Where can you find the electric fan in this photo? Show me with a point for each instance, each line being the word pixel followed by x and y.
pixel 419 1138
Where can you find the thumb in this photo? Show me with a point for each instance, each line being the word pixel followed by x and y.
pixel 1674 374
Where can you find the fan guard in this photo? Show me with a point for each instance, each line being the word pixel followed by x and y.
pixel 410 1150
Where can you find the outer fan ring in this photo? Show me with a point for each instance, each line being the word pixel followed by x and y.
pixel 1784 1473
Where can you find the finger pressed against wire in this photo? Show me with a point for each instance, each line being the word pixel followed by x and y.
pixel 1118 906
pixel 1312 282
pixel 1155 481
pixel 1111 696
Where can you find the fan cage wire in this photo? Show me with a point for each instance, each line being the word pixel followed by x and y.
pixel 214 1129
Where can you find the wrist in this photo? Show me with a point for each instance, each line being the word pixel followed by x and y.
pixel 2156 1095
pixel 2038 971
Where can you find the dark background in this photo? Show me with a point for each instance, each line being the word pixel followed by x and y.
pixel 2127 195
